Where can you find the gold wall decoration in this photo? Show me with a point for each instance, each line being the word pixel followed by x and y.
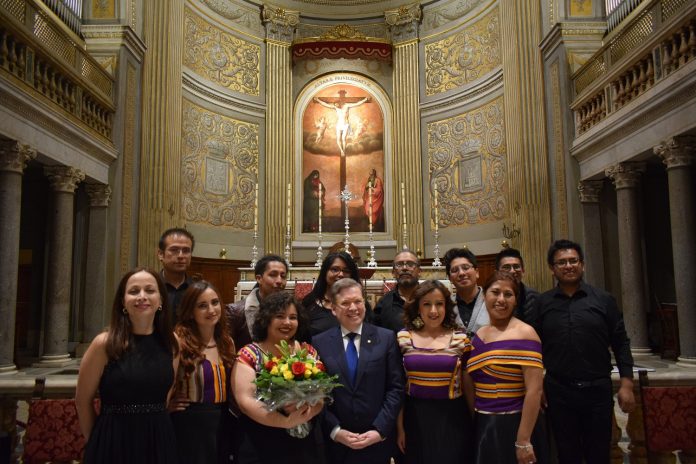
pixel 219 168
pixel 219 56
pixel 129 134
pixel 559 150
pixel 463 57
pixel 467 160
pixel 109 63
pixel 436 17
pixel 103 9
pixel 580 8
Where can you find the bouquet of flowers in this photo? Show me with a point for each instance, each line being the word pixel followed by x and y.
pixel 296 378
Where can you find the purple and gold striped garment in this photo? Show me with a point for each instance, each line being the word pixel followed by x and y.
pixel 434 373
pixel 496 369
pixel 208 383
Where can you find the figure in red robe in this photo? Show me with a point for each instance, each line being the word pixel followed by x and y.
pixel 377 200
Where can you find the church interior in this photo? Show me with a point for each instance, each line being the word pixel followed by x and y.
pixel 425 125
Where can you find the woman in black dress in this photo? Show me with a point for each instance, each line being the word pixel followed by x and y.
pixel 132 365
pixel 317 304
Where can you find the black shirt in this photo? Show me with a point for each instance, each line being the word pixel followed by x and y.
pixel 466 309
pixel 577 331
pixel 525 302
pixel 174 295
pixel 389 312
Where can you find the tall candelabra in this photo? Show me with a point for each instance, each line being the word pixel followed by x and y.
pixel 254 251
pixel 288 249
pixel 436 250
pixel 320 251
pixel 345 196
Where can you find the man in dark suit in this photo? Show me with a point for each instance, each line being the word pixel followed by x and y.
pixel 361 421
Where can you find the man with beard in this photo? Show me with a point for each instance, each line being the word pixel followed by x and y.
pixel 389 312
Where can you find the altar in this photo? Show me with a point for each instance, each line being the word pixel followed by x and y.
pixel 375 280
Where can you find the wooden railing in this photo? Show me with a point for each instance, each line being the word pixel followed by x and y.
pixel 656 42
pixel 39 56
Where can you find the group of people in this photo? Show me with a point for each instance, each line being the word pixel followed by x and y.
pixel 426 376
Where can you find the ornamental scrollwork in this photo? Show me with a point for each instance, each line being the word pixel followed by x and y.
pixel 224 59
pixel 220 160
pixel 467 159
pixel 464 57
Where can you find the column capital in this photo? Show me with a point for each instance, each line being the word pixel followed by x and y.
pixel 99 195
pixel 625 175
pixel 403 22
pixel 280 23
pixel 63 178
pixel 677 152
pixel 15 155
pixel 589 190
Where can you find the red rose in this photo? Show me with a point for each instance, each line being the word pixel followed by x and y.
pixel 298 368
pixel 269 365
pixel 320 366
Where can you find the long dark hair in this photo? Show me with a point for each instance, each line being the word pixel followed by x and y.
pixel 189 337
pixel 273 304
pixel 120 332
pixel 424 288
pixel 320 287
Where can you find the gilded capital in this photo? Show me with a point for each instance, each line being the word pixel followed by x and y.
pixel 63 178
pixel 589 190
pixel 280 23
pixel 677 152
pixel 99 195
pixel 14 156
pixel 403 22
pixel 625 175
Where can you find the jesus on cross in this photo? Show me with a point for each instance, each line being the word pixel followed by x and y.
pixel 342 106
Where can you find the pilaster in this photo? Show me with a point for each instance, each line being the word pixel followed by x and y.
pixel 529 199
pixel 403 23
pixel 679 156
pixel 627 180
pixel 160 163
pixel 13 159
pixel 589 191
pixel 63 181
pixel 280 25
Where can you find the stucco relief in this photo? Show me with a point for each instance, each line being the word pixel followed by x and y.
pixel 467 160
pixel 246 17
pixel 436 17
pixel 463 57
pixel 217 55
pixel 219 168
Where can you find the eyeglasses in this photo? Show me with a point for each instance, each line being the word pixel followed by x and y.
pixel 566 262
pixel 405 264
pixel 336 270
pixel 460 268
pixel 346 305
pixel 175 251
pixel 510 267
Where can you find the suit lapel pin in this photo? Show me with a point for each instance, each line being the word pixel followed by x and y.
pixel 369 340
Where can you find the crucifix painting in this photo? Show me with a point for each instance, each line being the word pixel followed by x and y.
pixel 343 145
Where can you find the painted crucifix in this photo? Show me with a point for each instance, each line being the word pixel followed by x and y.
pixel 341 105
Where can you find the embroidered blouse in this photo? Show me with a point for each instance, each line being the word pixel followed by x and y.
pixel 496 369
pixel 434 373
pixel 209 383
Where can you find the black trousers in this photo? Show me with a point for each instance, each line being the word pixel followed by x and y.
pixel 581 416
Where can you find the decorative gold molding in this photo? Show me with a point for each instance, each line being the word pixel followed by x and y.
pixel 467 158
pixel 220 166
pixel 343 32
pixel 464 57
pixel 559 151
pixel 127 168
pixel 219 56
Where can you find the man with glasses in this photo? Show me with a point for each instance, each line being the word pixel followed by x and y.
pixel 462 270
pixel 510 260
pixel 577 323
pixel 175 249
pixel 389 312
pixel 361 420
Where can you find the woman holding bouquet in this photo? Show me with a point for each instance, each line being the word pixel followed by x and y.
pixel 264 433
pixel 435 423
pixel 206 355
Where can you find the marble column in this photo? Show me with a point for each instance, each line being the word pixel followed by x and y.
pixel 679 155
pixel 63 181
pixel 589 191
pixel 280 26
pixel 13 159
pixel 626 178
pixel 96 305
pixel 403 23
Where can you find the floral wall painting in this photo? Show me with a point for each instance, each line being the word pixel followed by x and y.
pixel 342 143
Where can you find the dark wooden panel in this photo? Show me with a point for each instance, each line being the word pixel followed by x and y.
pixel 222 273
